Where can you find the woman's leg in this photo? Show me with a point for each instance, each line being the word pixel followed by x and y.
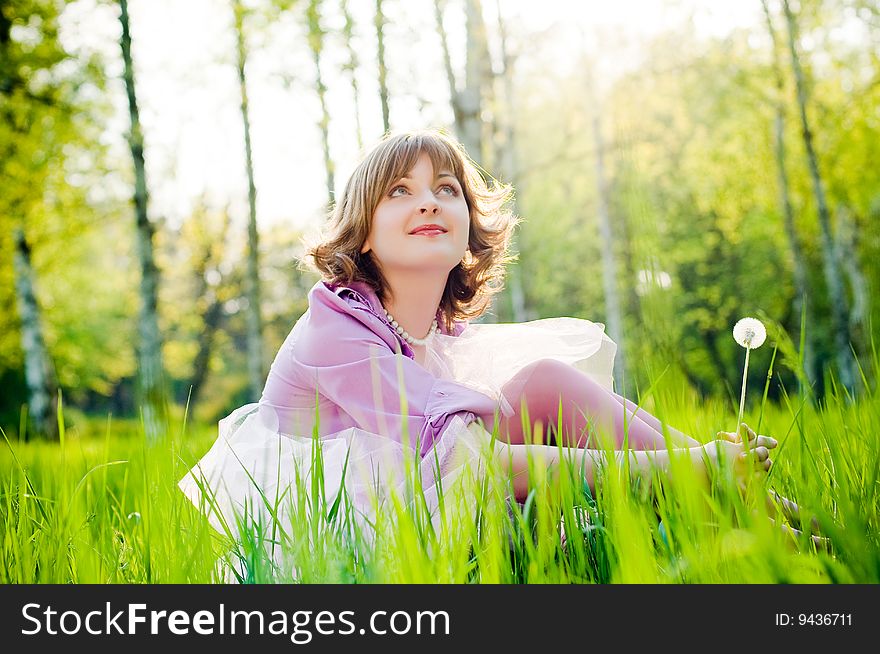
pixel 543 387
pixel 679 439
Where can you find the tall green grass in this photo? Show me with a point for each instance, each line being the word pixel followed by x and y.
pixel 103 506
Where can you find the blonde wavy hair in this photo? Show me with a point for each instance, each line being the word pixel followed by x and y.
pixel 480 274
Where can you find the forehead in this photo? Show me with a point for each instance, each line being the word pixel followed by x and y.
pixel 442 158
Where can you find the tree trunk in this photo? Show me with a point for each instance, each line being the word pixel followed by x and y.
pixel 352 67
pixel 213 314
pixel 508 164
pixel 836 291
pixel 152 393
pixel 210 324
pixel 37 365
pixel 380 60
pixel 484 81
pixel 447 62
pixel 846 242
pixel 252 283
pixel 801 301
pixel 631 301
pixel 609 263
pixel 470 101
pixel 467 104
pixel 316 45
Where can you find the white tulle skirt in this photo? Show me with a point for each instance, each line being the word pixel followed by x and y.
pixel 254 475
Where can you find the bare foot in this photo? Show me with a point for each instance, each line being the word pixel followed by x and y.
pixel 821 543
pixel 790 510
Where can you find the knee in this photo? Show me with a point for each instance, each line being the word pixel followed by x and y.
pixel 545 371
pixel 543 374
pixel 542 383
pixel 550 379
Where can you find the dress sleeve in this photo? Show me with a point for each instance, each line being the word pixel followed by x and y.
pixel 385 392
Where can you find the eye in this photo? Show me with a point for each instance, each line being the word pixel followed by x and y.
pixel 393 192
pixel 451 188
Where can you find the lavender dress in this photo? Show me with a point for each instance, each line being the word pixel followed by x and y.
pixel 345 375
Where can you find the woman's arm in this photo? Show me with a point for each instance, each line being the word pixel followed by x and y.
pixel 514 461
pixel 384 392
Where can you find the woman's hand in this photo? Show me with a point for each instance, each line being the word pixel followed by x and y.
pixel 749 459
pixel 756 445
pixel 754 441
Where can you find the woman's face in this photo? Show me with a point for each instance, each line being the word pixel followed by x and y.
pixel 421 223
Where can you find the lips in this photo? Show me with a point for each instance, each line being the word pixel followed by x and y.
pixel 429 229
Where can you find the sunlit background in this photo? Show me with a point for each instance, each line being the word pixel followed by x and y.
pixel 185 59
pixel 678 125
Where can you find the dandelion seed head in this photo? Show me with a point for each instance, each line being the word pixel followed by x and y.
pixel 749 332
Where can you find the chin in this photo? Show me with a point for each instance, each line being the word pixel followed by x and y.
pixel 424 264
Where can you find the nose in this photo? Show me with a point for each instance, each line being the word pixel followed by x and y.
pixel 429 205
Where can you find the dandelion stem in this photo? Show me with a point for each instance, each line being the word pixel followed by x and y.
pixel 742 397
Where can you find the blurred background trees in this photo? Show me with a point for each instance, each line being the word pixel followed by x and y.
pixel 707 174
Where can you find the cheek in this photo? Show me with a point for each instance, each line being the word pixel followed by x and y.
pixel 464 228
pixel 379 231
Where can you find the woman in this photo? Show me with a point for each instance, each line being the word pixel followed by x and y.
pixel 384 365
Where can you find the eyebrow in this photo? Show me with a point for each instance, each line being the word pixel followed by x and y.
pixel 438 176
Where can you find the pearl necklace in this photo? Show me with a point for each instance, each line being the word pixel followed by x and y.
pixel 412 340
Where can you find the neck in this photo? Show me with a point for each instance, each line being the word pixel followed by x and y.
pixel 413 299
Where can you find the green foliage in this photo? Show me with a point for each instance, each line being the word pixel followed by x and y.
pixel 52 160
pixel 106 509
pixel 694 193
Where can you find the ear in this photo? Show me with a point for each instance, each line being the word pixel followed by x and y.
pixel 366 247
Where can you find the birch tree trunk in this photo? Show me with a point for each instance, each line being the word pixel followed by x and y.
pixel 609 263
pixel 447 62
pixel 846 242
pixel 467 103
pixel 833 278
pixel 38 373
pixel 509 165
pixel 481 78
pixel 209 297
pixel 252 280
pixel 210 324
pixel 380 60
pixel 37 365
pixel 153 397
pixel 351 67
pixel 470 127
pixel 622 233
pixel 801 302
pixel 316 45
